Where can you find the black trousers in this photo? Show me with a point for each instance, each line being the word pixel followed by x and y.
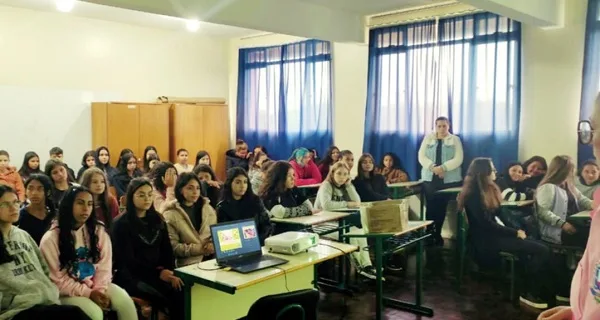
pixel 53 311
pixel 437 203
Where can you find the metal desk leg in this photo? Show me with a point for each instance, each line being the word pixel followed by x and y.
pixel 378 280
pixel 187 296
pixel 422 195
pixel 419 275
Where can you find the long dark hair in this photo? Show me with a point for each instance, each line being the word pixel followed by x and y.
pixel 231 175
pixel 533 159
pixel 361 172
pixel 506 174
pixel 478 184
pixel 51 164
pixel 158 173
pixel 275 180
pixel 4 255
pixel 25 171
pixel 182 181
pixel 201 154
pixel 205 168
pixel 327 160
pixel 153 218
pixel 123 163
pixel 121 155
pixel 66 243
pixel 86 155
pixel 104 198
pixel 47 184
pixel 147 161
pixel 99 164
pixel 396 162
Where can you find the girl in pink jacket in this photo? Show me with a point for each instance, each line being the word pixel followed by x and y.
pixel 79 255
pixel 307 172
pixel 585 287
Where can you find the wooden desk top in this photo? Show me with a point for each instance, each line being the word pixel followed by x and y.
pixel 311 220
pixel 450 190
pixel 581 215
pixel 412 226
pixel 523 203
pixel 406 184
pixel 308 186
pixel 230 281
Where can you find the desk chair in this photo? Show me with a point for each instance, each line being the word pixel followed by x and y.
pixel 296 305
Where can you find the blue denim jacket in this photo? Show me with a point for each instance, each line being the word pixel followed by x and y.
pixel 452 157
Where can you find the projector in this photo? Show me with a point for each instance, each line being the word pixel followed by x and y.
pixel 291 242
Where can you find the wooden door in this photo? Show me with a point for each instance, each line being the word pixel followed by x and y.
pixel 122 129
pixel 187 130
pixel 154 129
pixel 216 132
pixel 99 124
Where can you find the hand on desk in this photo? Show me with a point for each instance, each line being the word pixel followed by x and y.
pixel 353 204
pixel 169 277
pixel 315 211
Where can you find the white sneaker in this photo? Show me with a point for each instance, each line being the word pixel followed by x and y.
pixel 370 273
pixel 533 301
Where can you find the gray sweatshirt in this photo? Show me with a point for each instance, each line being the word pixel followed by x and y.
pixel 332 198
pixel 24 282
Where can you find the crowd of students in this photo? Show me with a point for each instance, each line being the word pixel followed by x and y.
pixel 167 211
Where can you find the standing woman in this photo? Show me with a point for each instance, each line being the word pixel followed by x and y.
pixel 105 204
pixel 440 155
pixel 332 156
pixel 31 165
pixel 103 162
pixel 35 218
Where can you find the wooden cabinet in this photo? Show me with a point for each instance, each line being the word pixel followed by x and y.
pixel 198 127
pixel 131 125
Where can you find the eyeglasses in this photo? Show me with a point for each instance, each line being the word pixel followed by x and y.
pixel 585 132
pixel 6 204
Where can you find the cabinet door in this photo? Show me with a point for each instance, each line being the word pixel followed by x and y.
pixel 187 132
pixel 216 133
pixel 154 129
pixel 122 129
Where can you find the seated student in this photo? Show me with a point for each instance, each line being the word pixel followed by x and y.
pixel 588 180
pixel 182 162
pixel 9 175
pixel 557 198
pixel 481 199
pixel 26 291
pixel 188 220
pixel 202 157
pixel 79 255
pixel 88 161
pixel 391 168
pixel 237 157
pixel 239 202
pixel 152 162
pixel 347 157
pixel 255 173
pixel 332 156
pixel 280 195
pixel 369 185
pixel 314 155
pixel 144 261
pixel 36 216
pixel 57 171
pixel 307 172
pixel 511 184
pixel 103 162
pixel 106 205
pixel 123 152
pixel 127 170
pixel 164 178
pixel 261 149
pixel 337 192
pixel 56 153
pixel 148 153
pixel 535 168
pixel 31 165
pixel 211 187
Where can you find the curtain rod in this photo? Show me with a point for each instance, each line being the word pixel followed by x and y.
pixel 425 13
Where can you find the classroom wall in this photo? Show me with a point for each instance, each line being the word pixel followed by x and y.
pixel 349 70
pixel 62 52
pixel 551 88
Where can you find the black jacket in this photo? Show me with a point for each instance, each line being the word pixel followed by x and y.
pixel 232 160
pixel 121 181
pixel 251 207
pixel 371 189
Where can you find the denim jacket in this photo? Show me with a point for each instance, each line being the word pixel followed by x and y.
pixel 452 157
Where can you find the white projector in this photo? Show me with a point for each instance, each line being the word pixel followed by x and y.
pixel 291 242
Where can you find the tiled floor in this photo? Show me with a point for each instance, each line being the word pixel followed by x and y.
pixel 480 299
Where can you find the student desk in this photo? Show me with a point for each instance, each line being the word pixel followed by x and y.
pixel 228 294
pixel 396 187
pixel 450 190
pixel 582 218
pixel 304 189
pixel 401 240
pixel 517 204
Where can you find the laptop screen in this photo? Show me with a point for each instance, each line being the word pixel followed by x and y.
pixel 235 239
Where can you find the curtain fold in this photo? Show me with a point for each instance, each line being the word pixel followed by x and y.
pixel 591 73
pixel 284 97
pixel 466 68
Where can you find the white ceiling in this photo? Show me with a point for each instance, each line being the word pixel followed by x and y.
pixel 144 19
pixel 370 7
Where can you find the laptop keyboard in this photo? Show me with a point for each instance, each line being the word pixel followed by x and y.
pixel 252 260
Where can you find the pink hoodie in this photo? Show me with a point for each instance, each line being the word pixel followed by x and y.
pixel 86 277
pixel 309 174
pixel 585 288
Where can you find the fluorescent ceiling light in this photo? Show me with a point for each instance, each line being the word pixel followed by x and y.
pixel 65 5
pixel 192 25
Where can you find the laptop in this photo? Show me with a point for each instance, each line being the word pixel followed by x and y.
pixel 237 246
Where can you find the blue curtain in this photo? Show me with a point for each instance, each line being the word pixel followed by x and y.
pixel 591 72
pixel 284 97
pixel 466 68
